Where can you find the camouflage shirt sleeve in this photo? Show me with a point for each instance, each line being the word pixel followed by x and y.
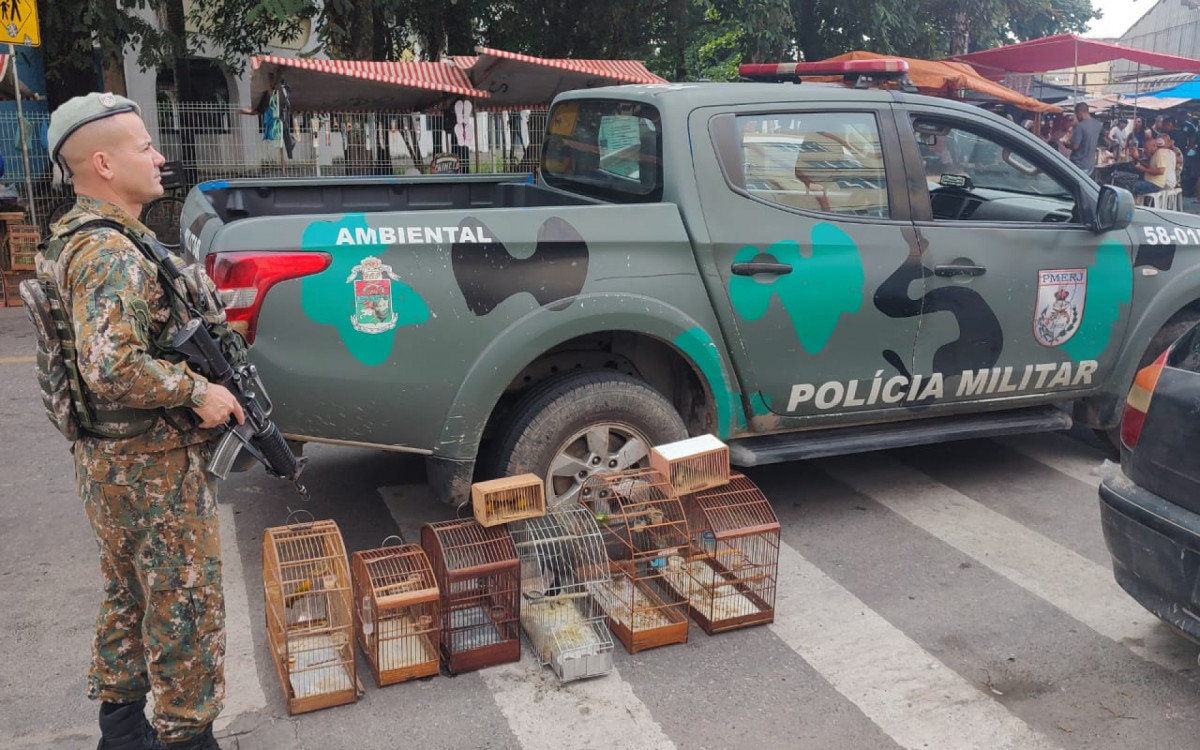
pixel 112 288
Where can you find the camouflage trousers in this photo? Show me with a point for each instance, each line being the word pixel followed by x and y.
pixel 161 627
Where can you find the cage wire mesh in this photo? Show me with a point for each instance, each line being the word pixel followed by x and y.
pixel 397 615
pixel 734 562
pixel 306 582
pixel 217 141
pixel 478 575
pixel 645 530
pixel 562 564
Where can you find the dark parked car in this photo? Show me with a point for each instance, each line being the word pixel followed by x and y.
pixel 1150 509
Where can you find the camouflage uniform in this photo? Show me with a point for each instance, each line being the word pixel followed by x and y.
pixel 151 503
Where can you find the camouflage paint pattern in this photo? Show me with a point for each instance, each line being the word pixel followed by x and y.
pixel 826 284
pixel 161 626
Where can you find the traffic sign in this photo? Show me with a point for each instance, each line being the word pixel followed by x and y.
pixel 18 23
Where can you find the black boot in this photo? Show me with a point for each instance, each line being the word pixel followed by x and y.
pixel 202 741
pixel 123 726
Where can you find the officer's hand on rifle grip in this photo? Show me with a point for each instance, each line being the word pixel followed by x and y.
pixel 218 406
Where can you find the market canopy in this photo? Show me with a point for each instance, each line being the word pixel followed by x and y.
pixel 320 85
pixel 1063 51
pixel 948 79
pixel 513 80
pixel 1188 90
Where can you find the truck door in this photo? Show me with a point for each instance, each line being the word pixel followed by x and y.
pixel 807 219
pixel 1023 300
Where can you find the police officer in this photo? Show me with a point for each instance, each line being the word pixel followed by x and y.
pixel 140 467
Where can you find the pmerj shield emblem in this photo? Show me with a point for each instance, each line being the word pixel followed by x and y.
pixel 1059 310
pixel 373 308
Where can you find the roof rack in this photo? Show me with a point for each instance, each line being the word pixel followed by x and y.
pixel 879 73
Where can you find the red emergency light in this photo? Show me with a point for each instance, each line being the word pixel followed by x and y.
pixel 860 72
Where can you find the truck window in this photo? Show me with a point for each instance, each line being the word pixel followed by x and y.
pixel 825 162
pixel 966 169
pixel 605 149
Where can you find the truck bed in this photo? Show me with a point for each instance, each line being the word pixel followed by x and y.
pixel 316 195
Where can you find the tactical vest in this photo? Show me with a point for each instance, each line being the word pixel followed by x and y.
pixel 69 405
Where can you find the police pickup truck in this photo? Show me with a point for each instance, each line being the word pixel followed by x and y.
pixel 801 270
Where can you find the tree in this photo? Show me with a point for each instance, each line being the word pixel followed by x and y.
pixel 72 30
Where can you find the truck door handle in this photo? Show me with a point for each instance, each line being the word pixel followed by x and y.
pixel 750 269
pixel 953 270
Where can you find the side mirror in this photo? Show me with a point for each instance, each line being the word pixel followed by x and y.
pixel 1114 209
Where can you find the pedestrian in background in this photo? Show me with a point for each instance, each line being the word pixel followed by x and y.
pixel 1085 138
pixel 140 465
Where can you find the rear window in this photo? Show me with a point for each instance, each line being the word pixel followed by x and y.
pixel 605 149
pixel 1186 353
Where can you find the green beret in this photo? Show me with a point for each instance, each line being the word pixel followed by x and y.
pixel 79 111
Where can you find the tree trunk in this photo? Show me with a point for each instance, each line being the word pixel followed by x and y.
pixel 960 35
pixel 113 58
pixel 679 44
pixel 362 31
pixel 176 19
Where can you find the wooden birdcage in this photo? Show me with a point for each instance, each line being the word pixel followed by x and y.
pixel 23 242
pixel 306 581
pixel 692 465
pixel 562 565
pixel 508 499
pixel 478 576
pixel 644 530
pixel 397 613
pixel 734 561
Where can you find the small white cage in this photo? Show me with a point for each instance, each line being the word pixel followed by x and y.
pixel 562 561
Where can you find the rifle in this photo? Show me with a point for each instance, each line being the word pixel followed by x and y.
pixel 258 435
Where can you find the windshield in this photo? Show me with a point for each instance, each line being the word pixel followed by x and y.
pixel 606 149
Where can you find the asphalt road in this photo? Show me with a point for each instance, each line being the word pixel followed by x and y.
pixel 947 597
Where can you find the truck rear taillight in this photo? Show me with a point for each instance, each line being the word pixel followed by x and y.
pixel 244 278
pixel 1138 402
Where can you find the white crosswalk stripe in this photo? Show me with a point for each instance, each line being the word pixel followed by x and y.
pixel 243 690
pixel 909 694
pixel 599 713
pixel 1060 453
pixel 1072 583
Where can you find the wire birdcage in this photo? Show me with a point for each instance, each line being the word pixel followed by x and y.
pixel 694 464
pixel 397 614
pixel 644 530
pixel 508 499
pixel 562 564
pixel 734 564
pixel 477 574
pixel 23 242
pixel 306 583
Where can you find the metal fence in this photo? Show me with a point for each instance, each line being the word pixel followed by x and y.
pixel 214 142
pixel 218 142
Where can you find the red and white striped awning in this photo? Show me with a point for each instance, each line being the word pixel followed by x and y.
pixel 321 85
pixel 515 80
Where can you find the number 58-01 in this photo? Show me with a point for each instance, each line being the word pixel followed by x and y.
pixel 1181 236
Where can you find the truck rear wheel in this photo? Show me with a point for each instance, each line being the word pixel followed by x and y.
pixel 583 424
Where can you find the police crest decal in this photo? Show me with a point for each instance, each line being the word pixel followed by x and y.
pixel 1059 309
pixel 374 311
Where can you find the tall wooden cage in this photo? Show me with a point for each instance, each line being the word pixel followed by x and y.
pixel 306 581
pixel 644 530
pixel 562 564
pixel 397 613
pixel 478 576
pixel 734 564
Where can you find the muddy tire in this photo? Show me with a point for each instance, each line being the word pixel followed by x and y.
pixel 1178 325
pixel 582 424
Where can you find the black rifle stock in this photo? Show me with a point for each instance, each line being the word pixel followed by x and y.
pixel 258 435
